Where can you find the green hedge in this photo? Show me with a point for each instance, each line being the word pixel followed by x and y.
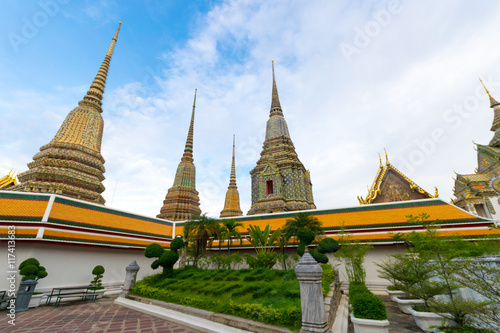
pixel 365 304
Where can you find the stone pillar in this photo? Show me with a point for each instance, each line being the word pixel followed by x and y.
pixel 130 278
pixel 311 296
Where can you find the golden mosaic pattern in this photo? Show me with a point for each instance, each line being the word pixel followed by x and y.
pixel 97 218
pixel 82 237
pixel 23 208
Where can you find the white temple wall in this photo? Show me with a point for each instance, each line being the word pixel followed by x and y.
pixel 71 265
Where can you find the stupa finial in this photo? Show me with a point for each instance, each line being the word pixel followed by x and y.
pixel 188 150
pixel 275 102
pixel 96 91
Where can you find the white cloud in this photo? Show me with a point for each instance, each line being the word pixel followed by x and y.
pixel 394 93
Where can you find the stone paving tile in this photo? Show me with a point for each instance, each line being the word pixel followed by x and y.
pixel 400 322
pixel 102 316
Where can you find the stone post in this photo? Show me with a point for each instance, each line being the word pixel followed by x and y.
pixel 311 296
pixel 130 278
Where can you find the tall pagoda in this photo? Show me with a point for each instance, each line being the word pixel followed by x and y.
pixel 232 203
pixel 182 202
pixel 280 182
pixel 479 192
pixel 71 164
pixel 392 185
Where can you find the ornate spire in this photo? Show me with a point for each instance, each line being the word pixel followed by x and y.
pixel 275 101
pixel 182 201
pixel 493 101
pixel 232 178
pixel 232 203
pixel 71 163
pixel 380 158
pixel 386 157
pixel 188 150
pixel 96 91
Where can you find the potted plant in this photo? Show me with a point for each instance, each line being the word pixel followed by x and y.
pixel 96 284
pixel 369 314
pixel 30 269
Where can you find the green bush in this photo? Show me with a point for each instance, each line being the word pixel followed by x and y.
pixel 306 235
pixel 319 257
pixel 365 305
pixel 328 245
pixel 263 260
pixel 301 249
pixel 30 269
pixel 166 258
pixel 176 244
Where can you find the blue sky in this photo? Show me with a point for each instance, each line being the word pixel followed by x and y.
pixel 353 77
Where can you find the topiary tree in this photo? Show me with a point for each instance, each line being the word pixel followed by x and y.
pixel 30 269
pixel 166 258
pixel 96 283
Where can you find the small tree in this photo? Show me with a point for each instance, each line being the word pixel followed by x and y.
pixel 30 269
pixel 352 255
pixel 96 283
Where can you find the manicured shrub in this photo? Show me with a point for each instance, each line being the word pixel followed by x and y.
pixel 166 258
pixel 176 244
pixel 306 235
pixel 365 305
pixel 319 257
pixel 368 306
pixel 30 269
pixel 301 249
pixel 96 283
pixel 327 245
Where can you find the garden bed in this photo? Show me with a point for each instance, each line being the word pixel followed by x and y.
pixel 267 296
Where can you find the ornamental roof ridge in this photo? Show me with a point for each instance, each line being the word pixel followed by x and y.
pixel 374 190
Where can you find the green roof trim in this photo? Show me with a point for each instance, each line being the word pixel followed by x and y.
pixel 24 196
pixel 77 240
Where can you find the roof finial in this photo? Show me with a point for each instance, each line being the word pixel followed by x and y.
pixel 275 102
pixel 94 95
pixel 493 102
pixel 380 158
pixel 386 157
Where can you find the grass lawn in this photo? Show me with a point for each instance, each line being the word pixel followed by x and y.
pixel 268 296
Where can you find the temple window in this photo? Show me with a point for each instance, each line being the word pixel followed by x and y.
pixel 269 187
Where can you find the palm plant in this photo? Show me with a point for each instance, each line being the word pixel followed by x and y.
pixel 232 231
pixel 220 233
pixel 263 240
pixel 302 220
pixel 198 231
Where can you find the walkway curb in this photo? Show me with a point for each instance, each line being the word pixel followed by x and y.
pixel 196 318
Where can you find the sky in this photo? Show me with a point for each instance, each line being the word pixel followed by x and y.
pixel 353 77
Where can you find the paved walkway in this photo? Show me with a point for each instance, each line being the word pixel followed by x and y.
pixel 100 317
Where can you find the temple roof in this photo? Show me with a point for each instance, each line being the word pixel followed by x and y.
pixel 8 180
pixel 375 191
pixel 50 218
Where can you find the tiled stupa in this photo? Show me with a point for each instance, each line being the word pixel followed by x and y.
pixel 232 203
pixel 475 192
pixel 279 181
pixel 71 164
pixel 182 201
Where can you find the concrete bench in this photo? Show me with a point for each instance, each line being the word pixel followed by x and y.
pixel 79 293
